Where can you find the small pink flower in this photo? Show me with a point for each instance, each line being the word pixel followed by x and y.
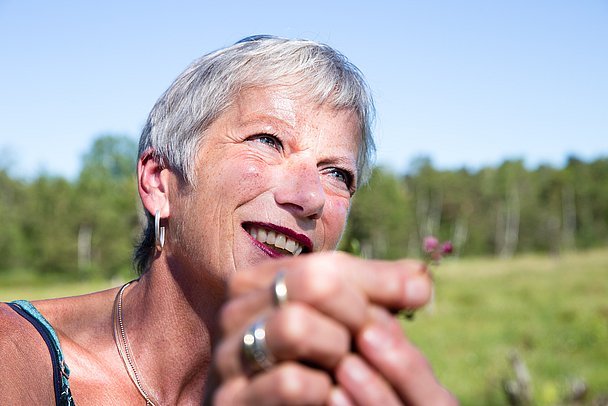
pixel 430 244
pixel 447 248
pixel 433 253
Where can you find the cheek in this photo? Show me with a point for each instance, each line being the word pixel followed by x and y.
pixel 342 208
pixel 246 179
pixel 337 214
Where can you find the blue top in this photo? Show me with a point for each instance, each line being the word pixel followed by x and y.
pixel 61 372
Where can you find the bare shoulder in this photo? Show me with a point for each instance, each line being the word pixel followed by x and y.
pixel 26 373
pixel 79 319
pixel 84 326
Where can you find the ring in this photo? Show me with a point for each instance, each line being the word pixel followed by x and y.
pixel 279 289
pixel 256 356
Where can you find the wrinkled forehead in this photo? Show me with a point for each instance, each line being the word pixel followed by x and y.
pixel 295 106
pixel 295 111
pixel 306 87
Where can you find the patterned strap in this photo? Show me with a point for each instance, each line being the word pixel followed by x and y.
pixel 61 372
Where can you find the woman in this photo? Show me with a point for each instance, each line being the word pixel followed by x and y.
pixel 246 163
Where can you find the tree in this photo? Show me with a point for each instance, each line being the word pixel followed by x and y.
pixel 13 245
pixel 424 185
pixel 380 220
pixel 107 206
pixel 111 156
pixel 49 225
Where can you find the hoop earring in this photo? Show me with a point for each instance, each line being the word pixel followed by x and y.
pixel 159 232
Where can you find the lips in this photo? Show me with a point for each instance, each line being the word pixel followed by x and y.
pixel 280 239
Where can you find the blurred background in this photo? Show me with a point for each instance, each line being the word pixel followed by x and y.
pixel 492 133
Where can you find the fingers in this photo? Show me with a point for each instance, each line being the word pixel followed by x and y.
pixel 321 284
pixel 338 397
pixel 298 332
pixel 340 285
pixel 363 384
pixel 386 349
pixel 241 310
pixel 331 297
pixel 287 384
pixel 293 332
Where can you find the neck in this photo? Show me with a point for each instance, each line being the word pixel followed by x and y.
pixel 171 327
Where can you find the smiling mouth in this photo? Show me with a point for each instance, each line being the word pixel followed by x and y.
pixel 276 240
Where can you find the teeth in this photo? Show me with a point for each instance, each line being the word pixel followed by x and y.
pixel 290 245
pixel 262 235
pixel 280 241
pixel 276 239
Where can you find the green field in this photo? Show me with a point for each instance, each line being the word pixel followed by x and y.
pixel 552 311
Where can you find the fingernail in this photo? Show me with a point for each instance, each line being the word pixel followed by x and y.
pixel 356 370
pixel 417 291
pixel 339 398
pixel 377 337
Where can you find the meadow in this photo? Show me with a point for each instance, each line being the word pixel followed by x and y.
pixel 551 311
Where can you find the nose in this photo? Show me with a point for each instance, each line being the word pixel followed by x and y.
pixel 300 190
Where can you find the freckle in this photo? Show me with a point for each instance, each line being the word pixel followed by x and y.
pixel 251 179
pixel 252 170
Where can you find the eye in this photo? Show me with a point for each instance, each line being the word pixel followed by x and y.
pixel 268 139
pixel 343 176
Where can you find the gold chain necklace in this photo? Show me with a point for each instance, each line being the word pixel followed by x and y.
pixel 123 346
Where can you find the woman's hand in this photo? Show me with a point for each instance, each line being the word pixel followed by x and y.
pixel 388 370
pixel 333 341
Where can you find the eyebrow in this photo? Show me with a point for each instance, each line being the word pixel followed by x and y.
pixel 264 118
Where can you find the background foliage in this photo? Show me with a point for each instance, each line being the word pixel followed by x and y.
pixel 76 228
pixel 88 226
pixel 499 211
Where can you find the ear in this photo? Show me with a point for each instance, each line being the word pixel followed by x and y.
pixel 153 184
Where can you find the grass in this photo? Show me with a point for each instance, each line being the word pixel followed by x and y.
pixel 65 288
pixel 24 284
pixel 552 311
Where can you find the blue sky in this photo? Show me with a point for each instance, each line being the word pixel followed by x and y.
pixel 467 83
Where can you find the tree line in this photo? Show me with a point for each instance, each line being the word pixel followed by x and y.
pixel 89 226
pixel 497 211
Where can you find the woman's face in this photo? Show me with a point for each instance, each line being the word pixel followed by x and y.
pixel 275 174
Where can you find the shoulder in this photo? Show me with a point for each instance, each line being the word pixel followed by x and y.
pixel 26 373
pixel 83 325
pixel 80 323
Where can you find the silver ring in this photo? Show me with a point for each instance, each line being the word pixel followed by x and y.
pixel 279 289
pixel 256 356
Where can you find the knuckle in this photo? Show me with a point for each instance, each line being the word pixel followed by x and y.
pixel 322 279
pixel 294 383
pixel 290 382
pixel 291 323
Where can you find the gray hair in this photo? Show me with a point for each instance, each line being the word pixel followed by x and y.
pixel 176 124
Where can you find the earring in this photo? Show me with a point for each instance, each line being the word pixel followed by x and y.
pixel 159 232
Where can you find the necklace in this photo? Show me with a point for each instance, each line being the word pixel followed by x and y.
pixel 123 345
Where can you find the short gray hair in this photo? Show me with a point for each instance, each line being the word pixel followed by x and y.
pixel 176 124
